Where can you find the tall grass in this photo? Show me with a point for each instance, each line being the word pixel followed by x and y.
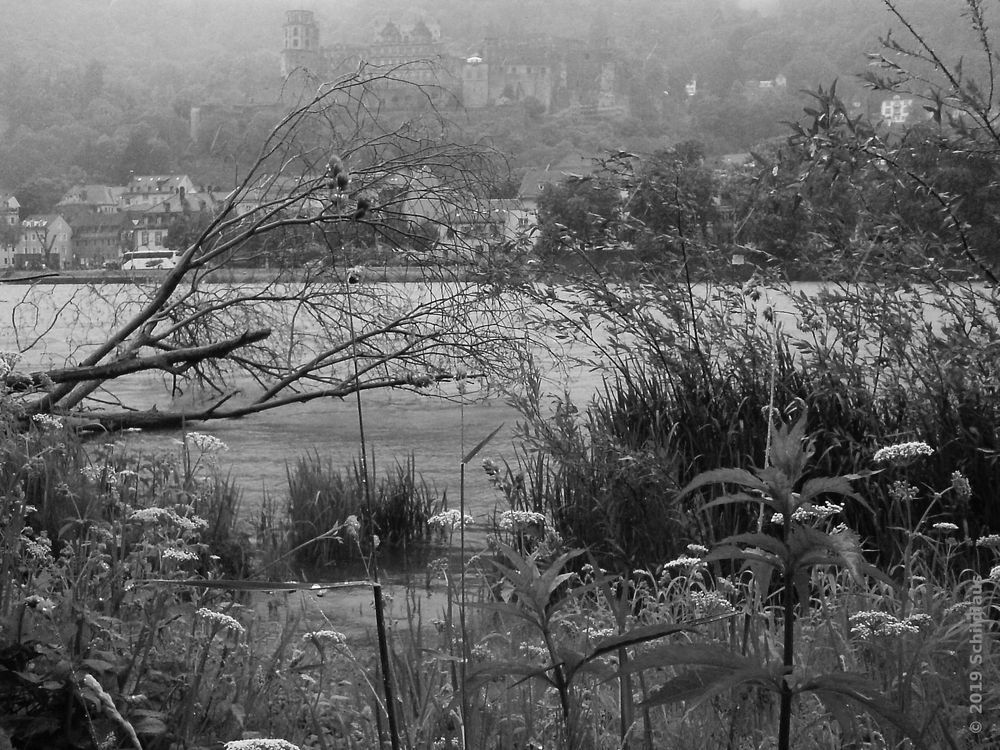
pixel 871 364
pixel 321 496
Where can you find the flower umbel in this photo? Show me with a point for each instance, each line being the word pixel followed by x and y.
pixel 260 744
pixel 902 452
pixel 220 619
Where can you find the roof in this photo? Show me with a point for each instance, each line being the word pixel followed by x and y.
pixel 94 195
pixel 84 220
pixel 536 180
pixel 40 221
pixel 160 183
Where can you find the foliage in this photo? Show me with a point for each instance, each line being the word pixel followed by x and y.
pixel 332 163
pixel 396 509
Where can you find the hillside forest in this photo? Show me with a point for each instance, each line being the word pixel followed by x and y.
pixel 94 91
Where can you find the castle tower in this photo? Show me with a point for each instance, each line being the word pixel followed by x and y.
pixel 301 42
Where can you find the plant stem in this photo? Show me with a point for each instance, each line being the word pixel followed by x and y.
pixel 788 596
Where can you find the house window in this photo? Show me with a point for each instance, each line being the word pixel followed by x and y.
pixel 896 109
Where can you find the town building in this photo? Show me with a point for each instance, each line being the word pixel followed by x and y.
pixel 10 229
pixel 97 236
pixel 46 242
pixel 553 74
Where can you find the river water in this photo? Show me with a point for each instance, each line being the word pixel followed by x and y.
pixel 437 432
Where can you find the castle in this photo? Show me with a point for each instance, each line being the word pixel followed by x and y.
pixel 550 75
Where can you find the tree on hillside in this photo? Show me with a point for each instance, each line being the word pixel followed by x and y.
pixel 314 331
pixel 924 190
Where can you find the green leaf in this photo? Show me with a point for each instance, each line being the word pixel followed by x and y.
pixel 762 541
pixel 743 497
pixel 826 486
pixel 838 685
pixel 741 477
pixel 732 552
pixel 698 685
pixel 481 444
pixel 687 654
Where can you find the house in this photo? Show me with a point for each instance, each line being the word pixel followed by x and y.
pixel 146 226
pixel 144 191
pixel 46 242
pixel 103 199
pixel 468 233
pixel 97 236
pixel 10 229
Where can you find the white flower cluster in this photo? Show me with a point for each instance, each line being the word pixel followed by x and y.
pixel 945 526
pixel 352 526
pixel 220 619
pixel 325 637
pixel 260 744
pixel 43 605
pixel 7 362
pixel 39 548
pixel 902 452
pixel 188 524
pixel 809 513
pixel 697 549
pixel 903 492
pixel 960 485
pixel 684 561
pixel 449 520
pixel 992 541
pixel 178 555
pixel 521 520
pixel 872 624
pixel 708 603
pixel 47 421
pixel 995 573
pixel 206 443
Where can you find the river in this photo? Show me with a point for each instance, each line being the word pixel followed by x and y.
pixel 437 432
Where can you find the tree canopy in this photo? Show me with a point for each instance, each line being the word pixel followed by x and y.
pixel 315 330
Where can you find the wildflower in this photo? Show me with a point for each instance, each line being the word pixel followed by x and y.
pixel 945 526
pixel 809 513
pixel 325 637
pixel 902 452
pixel 7 362
pixel 206 443
pixel 710 603
pixel 221 620
pixel 995 573
pixel 148 515
pixel 684 562
pixel 521 521
pixel 92 473
pixel 449 519
pixel 437 568
pixel 47 421
pixel 960 485
pixel 352 526
pixel 903 492
pixel 43 605
pixel 376 541
pixel 39 548
pixel 260 744
pixel 991 541
pixel 179 555
pixel 872 624
pixel 490 467
pixel 697 549
pixel 481 652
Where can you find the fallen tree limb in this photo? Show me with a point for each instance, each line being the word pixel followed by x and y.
pixel 154 419
pixel 173 361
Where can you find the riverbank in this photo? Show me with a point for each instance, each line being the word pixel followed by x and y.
pixel 379 273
